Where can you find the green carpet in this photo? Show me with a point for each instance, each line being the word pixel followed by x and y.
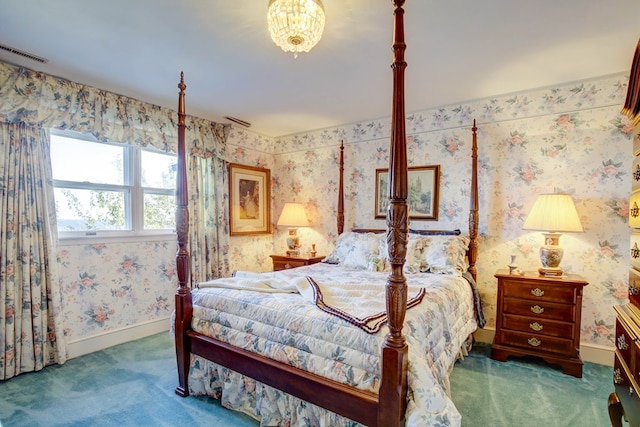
pixel 527 392
pixel 133 385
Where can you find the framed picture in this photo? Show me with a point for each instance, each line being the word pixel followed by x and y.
pixel 424 184
pixel 249 200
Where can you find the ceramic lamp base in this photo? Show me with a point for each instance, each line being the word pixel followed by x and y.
pixel 550 255
pixel 293 243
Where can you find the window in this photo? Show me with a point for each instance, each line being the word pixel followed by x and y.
pixel 104 189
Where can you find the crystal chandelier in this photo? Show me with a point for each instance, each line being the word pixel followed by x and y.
pixel 295 25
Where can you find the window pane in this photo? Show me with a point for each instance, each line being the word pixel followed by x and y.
pixel 159 212
pixel 79 210
pixel 85 161
pixel 158 170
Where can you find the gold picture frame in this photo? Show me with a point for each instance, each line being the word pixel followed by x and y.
pixel 424 189
pixel 249 200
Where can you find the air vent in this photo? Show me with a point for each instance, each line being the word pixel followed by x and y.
pixel 238 121
pixel 24 54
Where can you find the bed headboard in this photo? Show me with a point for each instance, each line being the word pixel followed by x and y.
pixel 472 251
pixel 455 232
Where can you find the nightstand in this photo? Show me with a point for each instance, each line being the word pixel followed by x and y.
pixel 539 316
pixel 283 262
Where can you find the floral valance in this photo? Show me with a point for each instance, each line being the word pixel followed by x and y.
pixel 38 99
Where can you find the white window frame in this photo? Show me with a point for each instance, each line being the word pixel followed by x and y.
pixel 132 163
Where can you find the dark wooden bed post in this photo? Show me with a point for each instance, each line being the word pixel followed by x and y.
pixel 473 208
pixel 393 385
pixel 183 310
pixel 340 216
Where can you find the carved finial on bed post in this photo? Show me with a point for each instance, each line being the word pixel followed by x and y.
pixel 340 216
pixel 473 208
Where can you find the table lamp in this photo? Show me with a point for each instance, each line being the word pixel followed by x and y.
pixel 293 216
pixel 552 214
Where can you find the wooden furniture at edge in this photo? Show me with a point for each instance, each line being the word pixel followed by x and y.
pixel 387 407
pixel 539 316
pixel 284 262
pixel 624 401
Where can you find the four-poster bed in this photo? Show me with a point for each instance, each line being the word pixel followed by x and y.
pixel 208 330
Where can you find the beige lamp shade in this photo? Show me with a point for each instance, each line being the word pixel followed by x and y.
pixel 553 212
pixel 293 215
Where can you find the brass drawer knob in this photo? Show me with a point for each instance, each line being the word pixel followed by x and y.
pixel 622 343
pixel 536 326
pixel 633 289
pixel 537 309
pixel 537 292
pixel 635 251
pixel 535 342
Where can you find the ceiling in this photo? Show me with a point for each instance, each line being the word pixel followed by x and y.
pixel 457 50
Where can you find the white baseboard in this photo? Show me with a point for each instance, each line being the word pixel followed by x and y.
pixel 119 336
pixel 588 352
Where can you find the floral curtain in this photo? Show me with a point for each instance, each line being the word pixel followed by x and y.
pixel 31 332
pixel 32 102
pixel 208 229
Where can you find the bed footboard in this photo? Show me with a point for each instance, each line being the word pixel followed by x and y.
pixel 345 400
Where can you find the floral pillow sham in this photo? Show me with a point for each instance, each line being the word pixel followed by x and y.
pixel 440 254
pixel 356 250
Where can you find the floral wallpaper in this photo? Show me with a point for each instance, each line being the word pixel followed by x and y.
pixel 109 286
pixel 570 138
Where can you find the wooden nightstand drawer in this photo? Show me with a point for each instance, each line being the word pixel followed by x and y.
pixel 539 309
pixel 538 291
pixel 285 262
pixel 538 342
pixel 284 265
pixel 539 326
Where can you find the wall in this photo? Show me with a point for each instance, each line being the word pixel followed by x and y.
pixel 568 138
pixel 251 253
pixel 115 292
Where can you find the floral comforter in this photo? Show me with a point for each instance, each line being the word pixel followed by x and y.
pixel 291 329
